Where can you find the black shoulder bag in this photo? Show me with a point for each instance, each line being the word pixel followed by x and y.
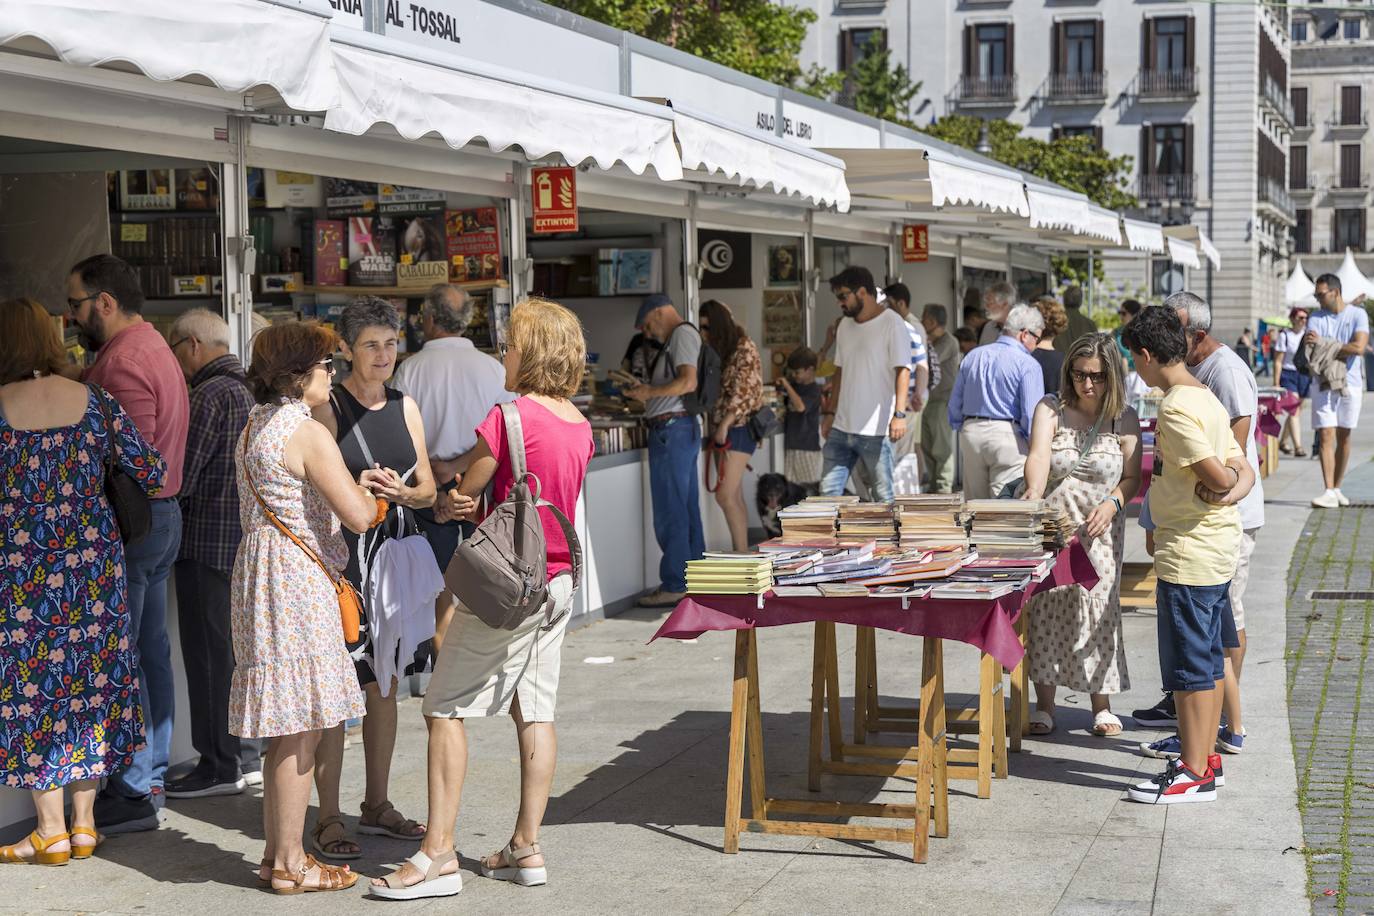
pixel 127 497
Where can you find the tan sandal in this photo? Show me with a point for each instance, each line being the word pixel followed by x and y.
pixel 433 883
pixel 509 869
pixel 40 855
pixel 85 851
pixel 331 878
pixel 328 849
pixel 371 823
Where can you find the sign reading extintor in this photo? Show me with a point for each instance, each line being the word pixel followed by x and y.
pixel 555 199
pixel 915 242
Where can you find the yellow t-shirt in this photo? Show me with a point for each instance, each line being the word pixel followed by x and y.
pixel 1195 543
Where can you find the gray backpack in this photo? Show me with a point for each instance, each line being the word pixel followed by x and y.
pixel 501 572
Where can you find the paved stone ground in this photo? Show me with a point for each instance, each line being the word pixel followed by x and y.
pixel 1330 711
pixel 635 821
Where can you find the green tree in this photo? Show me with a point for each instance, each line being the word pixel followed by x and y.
pixel 757 37
pixel 876 87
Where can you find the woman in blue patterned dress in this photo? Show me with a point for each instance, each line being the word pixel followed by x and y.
pixel 69 701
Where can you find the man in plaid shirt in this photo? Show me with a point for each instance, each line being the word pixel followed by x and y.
pixel 220 402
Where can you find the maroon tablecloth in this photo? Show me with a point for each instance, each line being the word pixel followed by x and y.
pixel 986 625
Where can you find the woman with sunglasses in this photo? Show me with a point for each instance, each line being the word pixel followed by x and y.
pixel 1084 458
pixel 1287 376
pixel 294 678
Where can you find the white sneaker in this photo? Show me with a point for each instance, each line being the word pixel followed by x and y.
pixel 1342 498
pixel 1328 500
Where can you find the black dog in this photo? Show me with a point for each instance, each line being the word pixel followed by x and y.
pixel 776 492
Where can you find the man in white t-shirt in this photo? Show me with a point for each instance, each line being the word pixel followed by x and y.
pixel 1334 414
pixel 869 388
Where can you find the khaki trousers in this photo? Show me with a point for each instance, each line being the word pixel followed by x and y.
pixel 937 446
pixel 993 456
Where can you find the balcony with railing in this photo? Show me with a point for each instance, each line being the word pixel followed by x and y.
pixel 1276 100
pixel 1348 123
pixel 995 90
pixel 1276 196
pixel 1303 184
pixel 1349 184
pixel 1167 84
pixel 1061 87
pixel 1170 186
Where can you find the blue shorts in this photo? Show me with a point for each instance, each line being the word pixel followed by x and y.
pixel 740 440
pixel 1190 623
pixel 1293 380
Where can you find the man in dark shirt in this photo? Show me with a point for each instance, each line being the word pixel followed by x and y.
pixel 937 436
pixel 1079 324
pixel 801 426
pixel 220 403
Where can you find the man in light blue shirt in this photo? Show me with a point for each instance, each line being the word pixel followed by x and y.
pixel 993 401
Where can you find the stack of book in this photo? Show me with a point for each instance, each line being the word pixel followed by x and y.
pixel 1058 527
pixel 855 561
pixel 813 517
pixel 1007 527
pixel 931 520
pixel 868 522
pixel 730 574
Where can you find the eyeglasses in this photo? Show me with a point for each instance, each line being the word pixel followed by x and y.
pixel 327 364
pixel 504 348
pixel 841 295
pixel 1097 378
pixel 180 342
pixel 74 305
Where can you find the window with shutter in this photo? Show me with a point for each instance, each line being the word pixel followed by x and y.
pixel 1302 232
pixel 1350 165
pixel 1297 167
pixel 1348 230
pixel 1298 94
pixel 1350 105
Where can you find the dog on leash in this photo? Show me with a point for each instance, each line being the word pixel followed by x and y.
pixel 776 492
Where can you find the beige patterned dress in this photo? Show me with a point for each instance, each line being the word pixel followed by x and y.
pixel 1074 636
pixel 292 671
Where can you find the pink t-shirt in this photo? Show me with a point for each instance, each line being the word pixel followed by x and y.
pixel 137 368
pixel 556 452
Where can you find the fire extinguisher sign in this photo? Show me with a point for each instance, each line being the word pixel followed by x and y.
pixel 915 242
pixel 554 193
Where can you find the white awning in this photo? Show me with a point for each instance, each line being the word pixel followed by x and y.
pixel 955 181
pixel 1181 252
pixel 1142 236
pixel 234 44
pixel 763 162
pixel 1191 233
pixel 503 109
pixel 1053 207
pixel 1103 224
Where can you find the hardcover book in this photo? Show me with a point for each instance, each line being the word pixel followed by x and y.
pixel 371 251
pixel 331 252
pixel 473 240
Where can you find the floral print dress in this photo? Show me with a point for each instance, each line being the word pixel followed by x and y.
pixel 69 693
pixel 1075 637
pixel 292 670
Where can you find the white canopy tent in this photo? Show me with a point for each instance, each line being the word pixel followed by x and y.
pixel 1181 252
pixel 1354 284
pixel 1299 287
pixel 1143 236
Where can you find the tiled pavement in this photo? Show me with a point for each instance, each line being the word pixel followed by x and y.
pixel 1330 709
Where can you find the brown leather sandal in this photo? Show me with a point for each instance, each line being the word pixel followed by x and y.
pixel 371 823
pixel 85 851
pixel 328 848
pixel 331 878
pixel 40 854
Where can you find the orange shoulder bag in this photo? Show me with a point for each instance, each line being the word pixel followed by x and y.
pixel 350 604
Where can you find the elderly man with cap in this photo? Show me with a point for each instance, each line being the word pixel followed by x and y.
pixel 674 444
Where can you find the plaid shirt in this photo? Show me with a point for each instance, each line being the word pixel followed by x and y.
pixel 220 403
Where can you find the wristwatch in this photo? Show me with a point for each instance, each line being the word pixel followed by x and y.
pixel 1116 502
pixel 899 414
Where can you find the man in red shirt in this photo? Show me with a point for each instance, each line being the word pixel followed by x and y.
pixel 135 365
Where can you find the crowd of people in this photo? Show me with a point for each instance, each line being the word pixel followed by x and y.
pixel 271 488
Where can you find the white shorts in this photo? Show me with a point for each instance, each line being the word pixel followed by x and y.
pixel 1242 576
pixel 481 669
pixel 1330 409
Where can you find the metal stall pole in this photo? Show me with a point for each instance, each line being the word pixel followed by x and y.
pixel 691 268
pixel 521 266
pixel 809 282
pixel 240 253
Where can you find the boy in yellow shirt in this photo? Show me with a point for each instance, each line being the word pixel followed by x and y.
pixel 1200 474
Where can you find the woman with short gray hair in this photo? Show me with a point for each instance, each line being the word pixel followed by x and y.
pixel 382 439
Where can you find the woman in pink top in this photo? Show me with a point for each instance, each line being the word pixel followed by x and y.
pixel 483 671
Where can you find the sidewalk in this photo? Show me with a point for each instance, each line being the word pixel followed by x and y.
pixel 635 824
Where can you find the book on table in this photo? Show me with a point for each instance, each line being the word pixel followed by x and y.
pixel 971 591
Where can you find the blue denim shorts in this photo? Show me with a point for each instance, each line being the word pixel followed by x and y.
pixel 739 440
pixel 1190 623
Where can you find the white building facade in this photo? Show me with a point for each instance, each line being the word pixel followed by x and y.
pixel 1329 160
pixel 1196 93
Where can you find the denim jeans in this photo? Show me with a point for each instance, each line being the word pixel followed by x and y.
pixel 673 489
pixel 147 565
pixel 873 455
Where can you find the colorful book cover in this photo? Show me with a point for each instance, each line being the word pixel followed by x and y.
pixel 473 240
pixel 331 252
pixel 421 251
pixel 371 251
pixel 343 197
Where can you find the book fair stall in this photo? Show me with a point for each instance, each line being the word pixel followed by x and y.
pixel 271 159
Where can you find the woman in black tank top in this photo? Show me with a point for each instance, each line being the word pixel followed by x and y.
pixel 382 441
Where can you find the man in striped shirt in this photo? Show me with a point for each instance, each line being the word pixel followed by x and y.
pixel 925 374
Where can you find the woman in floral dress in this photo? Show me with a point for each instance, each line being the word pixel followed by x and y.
pixel 69 701
pixel 293 677
pixel 741 394
pixel 1084 457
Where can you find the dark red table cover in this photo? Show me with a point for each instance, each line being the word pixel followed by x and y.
pixel 986 625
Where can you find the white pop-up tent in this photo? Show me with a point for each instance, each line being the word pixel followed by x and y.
pixel 1354 284
pixel 1299 287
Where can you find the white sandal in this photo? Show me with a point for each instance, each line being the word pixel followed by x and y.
pixel 1041 723
pixel 433 884
pixel 510 870
pixel 1104 721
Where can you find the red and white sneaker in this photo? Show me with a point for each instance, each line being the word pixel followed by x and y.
pixel 1214 764
pixel 1177 785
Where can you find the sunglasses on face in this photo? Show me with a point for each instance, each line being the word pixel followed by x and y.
pixel 1097 378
